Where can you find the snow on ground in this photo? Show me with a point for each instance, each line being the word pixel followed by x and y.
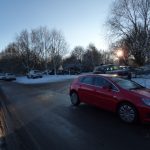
pixel 144 81
pixel 45 79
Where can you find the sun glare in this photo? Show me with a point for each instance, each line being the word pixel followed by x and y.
pixel 119 53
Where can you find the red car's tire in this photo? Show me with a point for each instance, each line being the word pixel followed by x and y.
pixel 74 99
pixel 127 113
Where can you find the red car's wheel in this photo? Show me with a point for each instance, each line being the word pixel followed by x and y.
pixel 74 99
pixel 127 113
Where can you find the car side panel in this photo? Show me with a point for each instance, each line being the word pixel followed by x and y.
pixel 106 99
pixel 86 93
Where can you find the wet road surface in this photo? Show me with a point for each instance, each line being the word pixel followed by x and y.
pixel 40 117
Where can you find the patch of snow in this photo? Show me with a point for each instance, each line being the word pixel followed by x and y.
pixel 57 78
pixel 45 79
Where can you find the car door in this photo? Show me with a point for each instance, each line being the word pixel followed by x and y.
pixel 86 89
pixel 105 94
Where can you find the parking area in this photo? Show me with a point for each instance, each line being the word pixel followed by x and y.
pixel 42 117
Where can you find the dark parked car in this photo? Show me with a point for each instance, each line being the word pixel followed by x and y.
pixel 102 69
pixel 128 99
pixel 123 71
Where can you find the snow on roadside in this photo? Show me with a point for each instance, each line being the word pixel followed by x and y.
pixel 56 78
pixel 45 79
pixel 143 81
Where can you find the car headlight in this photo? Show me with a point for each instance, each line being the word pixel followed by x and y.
pixel 146 101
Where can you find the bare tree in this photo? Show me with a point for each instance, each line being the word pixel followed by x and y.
pixel 78 52
pixel 107 57
pixel 121 46
pixel 95 55
pixel 92 57
pixel 58 47
pixel 10 59
pixel 41 41
pixel 24 47
pixel 34 47
pixel 40 46
pixel 130 20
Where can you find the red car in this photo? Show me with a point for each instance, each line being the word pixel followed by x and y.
pixel 128 99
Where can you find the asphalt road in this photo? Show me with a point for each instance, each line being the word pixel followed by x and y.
pixel 41 117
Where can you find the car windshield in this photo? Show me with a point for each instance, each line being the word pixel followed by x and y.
pixel 127 84
pixel 108 68
pixel 113 68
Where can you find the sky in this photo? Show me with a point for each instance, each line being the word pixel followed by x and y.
pixel 81 21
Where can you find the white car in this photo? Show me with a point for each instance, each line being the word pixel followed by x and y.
pixel 34 74
pixel 9 76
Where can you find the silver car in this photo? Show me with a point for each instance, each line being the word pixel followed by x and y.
pixel 34 74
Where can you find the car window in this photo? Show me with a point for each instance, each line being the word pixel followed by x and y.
pixel 107 69
pixel 127 84
pixel 116 67
pixel 99 81
pixel 100 69
pixel 112 68
pixel 103 82
pixel 87 80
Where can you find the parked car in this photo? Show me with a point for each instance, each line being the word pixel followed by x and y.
pixel 51 72
pixel 102 69
pixel 34 74
pixel 139 71
pixel 9 77
pixel 145 69
pixel 128 99
pixel 69 72
pixel 2 76
pixel 115 69
pixel 47 72
pixel 132 70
